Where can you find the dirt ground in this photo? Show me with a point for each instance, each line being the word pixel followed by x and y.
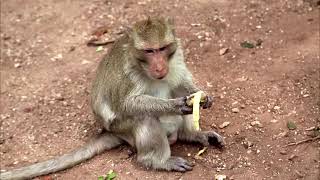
pixel 47 70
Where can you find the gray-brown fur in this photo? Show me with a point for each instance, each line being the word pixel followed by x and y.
pixel 137 105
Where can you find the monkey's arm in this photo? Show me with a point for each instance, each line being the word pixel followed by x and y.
pixel 188 87
pixel 141 104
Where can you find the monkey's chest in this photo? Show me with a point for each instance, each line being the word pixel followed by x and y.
pixel 160 89
pixel 169 123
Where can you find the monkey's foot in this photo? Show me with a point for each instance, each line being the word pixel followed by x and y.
pixel 178 164
pixel 211 138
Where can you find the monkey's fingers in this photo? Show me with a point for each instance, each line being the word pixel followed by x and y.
pixel 207 103
pixel 190 99
pixel 186 110
pixel 215 139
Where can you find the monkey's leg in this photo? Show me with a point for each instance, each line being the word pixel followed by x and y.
pixel 187 133
pixel 153 148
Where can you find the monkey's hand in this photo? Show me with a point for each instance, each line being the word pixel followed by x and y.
pixel 182 105
pixel 206 101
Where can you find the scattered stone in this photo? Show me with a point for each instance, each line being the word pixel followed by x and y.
pixel 223 51
pixel 17 65
pixel 276 107
pixel 209 84
pixel 283 152
pixel 300 175
pixel 59 97
pixel 242 106
pixel 195 24
pixel 85 62
pixel 310 128
pixel 293 156
pixel 214 125
pixel 247 144
pixel 72 48
pixel 306 95
pixel 241 79
pixel 28 109
pixel 220 177
pixel 57 57
pixel 274 121
pixel 259 42
pixel 6 37
pixel 256 123
pixel 224 124
pixel 235 110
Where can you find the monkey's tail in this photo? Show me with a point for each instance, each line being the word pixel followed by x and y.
pixel 102 143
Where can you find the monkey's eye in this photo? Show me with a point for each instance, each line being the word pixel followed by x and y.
pixel 142 61
pixel 163 48
pixel 148 51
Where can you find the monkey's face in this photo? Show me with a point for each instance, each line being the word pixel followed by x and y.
pixel 155 61
pixel 154 43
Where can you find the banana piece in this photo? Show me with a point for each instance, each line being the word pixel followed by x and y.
pixel 196 109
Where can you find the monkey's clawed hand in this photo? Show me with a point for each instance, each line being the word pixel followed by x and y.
pixel 182 106
pixel 207 103
pixel 211 138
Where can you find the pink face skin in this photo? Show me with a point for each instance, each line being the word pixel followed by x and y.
pixel 157 60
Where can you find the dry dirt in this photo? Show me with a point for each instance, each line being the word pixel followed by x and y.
pixel 47 70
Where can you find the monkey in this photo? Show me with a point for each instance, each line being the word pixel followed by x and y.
pixel 139 95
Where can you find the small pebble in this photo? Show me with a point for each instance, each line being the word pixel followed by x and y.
pixel 223 51
pixel 235 110
pixel 256 123
pixel 300 175
pixel 292 157
pixel 224 124
pixel 17 65
pixel 274 121
pixel 276 107
pixel 283 152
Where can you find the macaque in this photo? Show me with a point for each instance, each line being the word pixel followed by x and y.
pixel 139 95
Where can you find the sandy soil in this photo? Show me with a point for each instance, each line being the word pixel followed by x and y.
pixel 47 70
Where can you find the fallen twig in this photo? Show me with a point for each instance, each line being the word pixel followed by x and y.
pixel 95 42
pixel 302 141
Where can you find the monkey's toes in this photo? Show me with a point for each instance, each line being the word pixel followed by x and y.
pixel 179 164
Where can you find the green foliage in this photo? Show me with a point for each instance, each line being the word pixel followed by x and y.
pixel 291 125
pixel 246 44
pixel 109 176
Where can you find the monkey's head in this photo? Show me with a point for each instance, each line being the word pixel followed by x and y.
pixel 153 45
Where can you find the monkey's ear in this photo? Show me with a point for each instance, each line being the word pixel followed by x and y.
pixel 170 21
pixel 149 20
pixel 129 31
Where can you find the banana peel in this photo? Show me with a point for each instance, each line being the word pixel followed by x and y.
pixel 194 101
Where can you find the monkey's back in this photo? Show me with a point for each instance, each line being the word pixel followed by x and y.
pixel 112 83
